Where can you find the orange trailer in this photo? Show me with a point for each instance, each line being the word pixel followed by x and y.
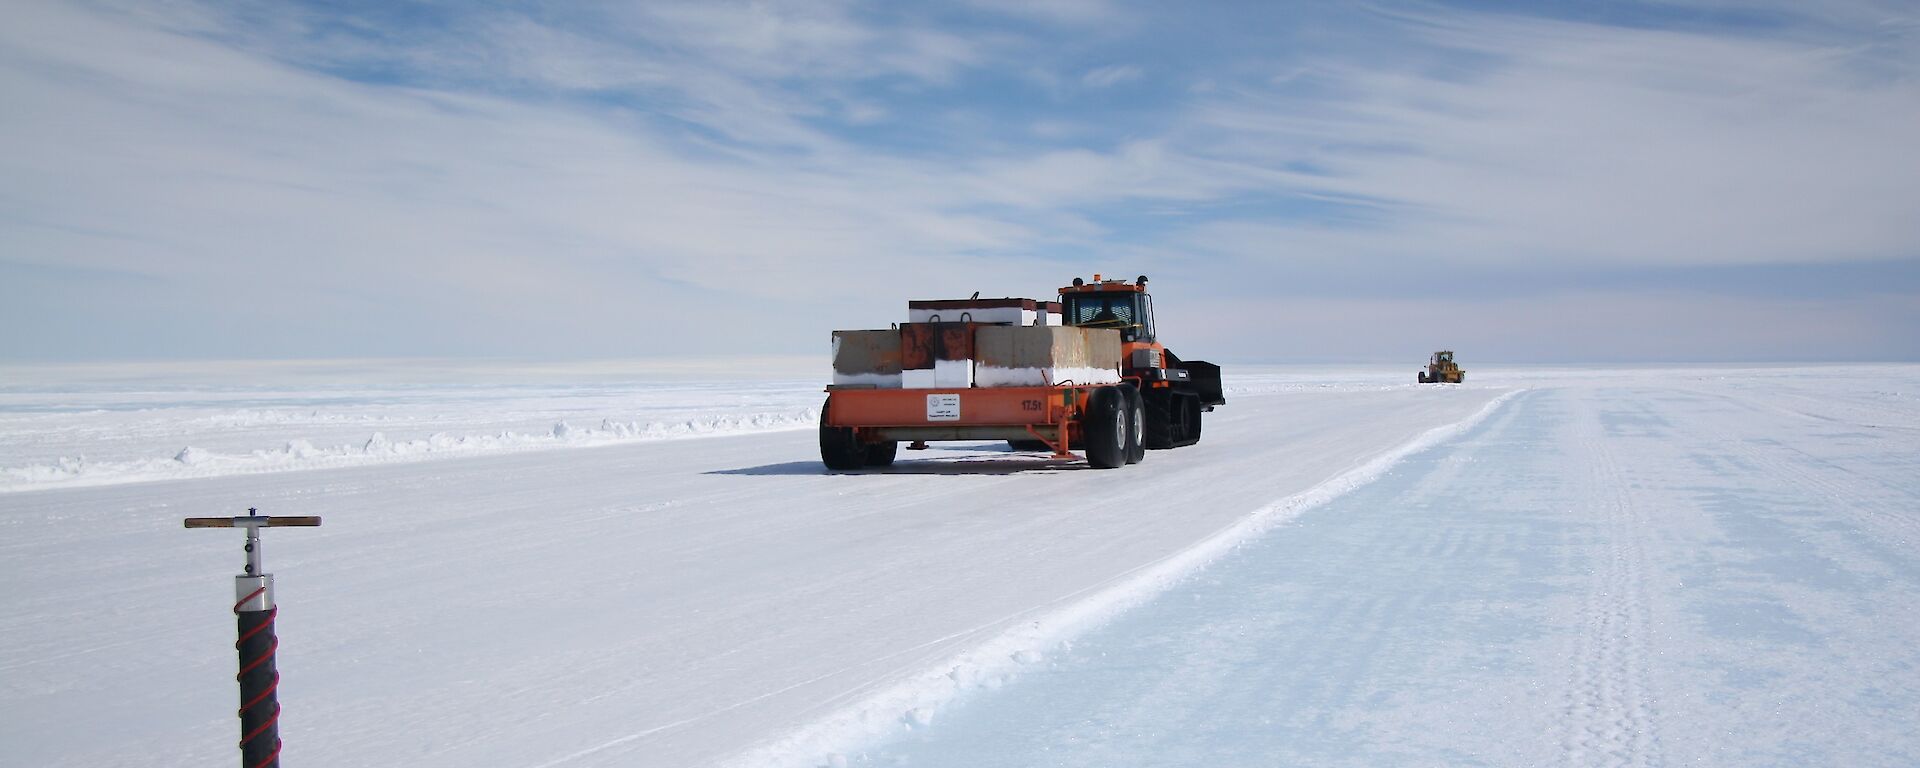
pixel 1146 397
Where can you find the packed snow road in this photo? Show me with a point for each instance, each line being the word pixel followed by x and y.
pixel 1687 572
pixel 657 603
pixel 1648 567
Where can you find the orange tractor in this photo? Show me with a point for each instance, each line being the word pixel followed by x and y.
pixel 1442 370
pixel 1085 370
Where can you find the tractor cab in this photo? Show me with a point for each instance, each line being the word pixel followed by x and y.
pixel 1115 304
pixel 1173 392
pixel 1442 370
pixel 1126 307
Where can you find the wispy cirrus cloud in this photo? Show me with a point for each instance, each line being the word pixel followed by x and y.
pixel 289 180
pixel 1112 75
pixel 1066 12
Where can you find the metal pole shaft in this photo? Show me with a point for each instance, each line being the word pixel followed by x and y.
pixel 259 675
pixel 253 550
pixel 254 612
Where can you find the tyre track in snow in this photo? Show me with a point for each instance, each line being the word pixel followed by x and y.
pixel 1797 535
pixel 647 604
pixel 1889 511
pixel 1383 628
pixel 1610 713
pixel 878 709
pixel 1603 575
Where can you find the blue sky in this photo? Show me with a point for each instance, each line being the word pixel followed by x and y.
pixel 1688 180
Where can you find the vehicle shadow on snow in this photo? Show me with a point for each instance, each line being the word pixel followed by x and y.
pixel 1012 464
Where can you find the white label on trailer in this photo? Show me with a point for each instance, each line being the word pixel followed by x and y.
pixel 943 407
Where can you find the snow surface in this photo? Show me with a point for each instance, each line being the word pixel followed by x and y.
pixel 1637 567
pixel 1650 575
pixel 54 433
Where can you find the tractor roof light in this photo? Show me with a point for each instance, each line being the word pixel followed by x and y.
pixel 1142 281
pixel 1077 282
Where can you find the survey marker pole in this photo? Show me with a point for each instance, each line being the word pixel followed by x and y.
pixel 259 678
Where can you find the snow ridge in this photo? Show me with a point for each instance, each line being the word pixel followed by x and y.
pixel 192 462
pixel 914 702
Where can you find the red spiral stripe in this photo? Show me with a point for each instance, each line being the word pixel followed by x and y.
pixel 274 685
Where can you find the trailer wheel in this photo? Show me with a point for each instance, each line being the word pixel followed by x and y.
pixel 839 448
pixel 1105 425
pixel 881 454
pixel 1136 424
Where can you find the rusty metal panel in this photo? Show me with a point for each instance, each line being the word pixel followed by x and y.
pixel 966 304
pixel 916 346
pixel 866 352
pixel 1103 347
pixel 953 341
pixel 1008 311
pixel 998 345
pixel 1020 347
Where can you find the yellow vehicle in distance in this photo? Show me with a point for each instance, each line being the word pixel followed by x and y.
pixel 1442 370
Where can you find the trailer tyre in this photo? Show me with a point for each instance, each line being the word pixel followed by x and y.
pixel 840 449
pixel 881 454
pixel 1136 424
pixel 1106 427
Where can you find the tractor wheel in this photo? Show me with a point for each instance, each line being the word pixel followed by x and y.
pixel 839 448
pixel 1028 445
pixel 1105 425
pixel 881 454
pixel 1157 432
pixel 1423 376
pixel 1136 424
